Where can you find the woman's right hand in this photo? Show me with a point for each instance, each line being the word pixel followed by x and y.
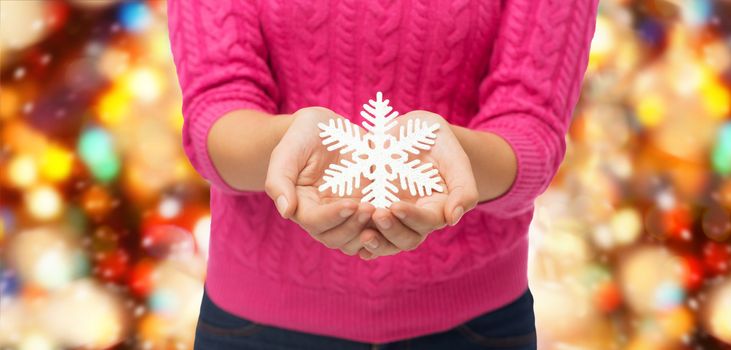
pixel 295 171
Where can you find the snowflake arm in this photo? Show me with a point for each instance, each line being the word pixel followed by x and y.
pixel 416 135
pixel 378 115
pixel 380 193
pixel 344 177
pixel 341 134
pixel 419 178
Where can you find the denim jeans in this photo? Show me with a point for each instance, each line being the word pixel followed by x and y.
pixel 511 327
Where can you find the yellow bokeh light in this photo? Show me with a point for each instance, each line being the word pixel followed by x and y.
pixel 721 325
pixel 603 43
pixel 22 171
pixel 176 118
pixel 56 163
pixel 716 98
pixel 159 46
pixel 43 202
pixel 650 110
pixel 182 169
pixel 145 84
pixel 718 316
pixel 108 330
pixel 36 341
pixel 626 226
pixel 113 106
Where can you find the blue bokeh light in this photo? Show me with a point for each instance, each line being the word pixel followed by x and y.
pixel 134 16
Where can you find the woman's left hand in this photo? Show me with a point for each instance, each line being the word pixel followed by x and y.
pixel 406 224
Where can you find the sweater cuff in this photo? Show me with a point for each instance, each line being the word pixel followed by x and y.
pixel 205 114
pixel 534 166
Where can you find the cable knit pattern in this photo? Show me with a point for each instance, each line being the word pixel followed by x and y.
pixel 510 67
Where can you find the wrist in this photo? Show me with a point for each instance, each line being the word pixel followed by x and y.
pixel 493 161
pixel 240 143
pixel 278 125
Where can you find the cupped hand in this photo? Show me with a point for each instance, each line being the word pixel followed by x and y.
pixel 296 167
pixel 407 223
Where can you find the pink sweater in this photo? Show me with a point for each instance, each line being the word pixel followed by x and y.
pixel 511 67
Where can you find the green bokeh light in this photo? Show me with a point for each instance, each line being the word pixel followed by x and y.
pixel 96 149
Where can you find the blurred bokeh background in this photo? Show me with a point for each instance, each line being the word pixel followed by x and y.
pixel 104 225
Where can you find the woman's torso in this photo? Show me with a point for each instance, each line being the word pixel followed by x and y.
pixel 422 54
pixel 428 55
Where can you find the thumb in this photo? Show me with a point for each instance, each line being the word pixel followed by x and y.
pixel 281 179
pixel 462 190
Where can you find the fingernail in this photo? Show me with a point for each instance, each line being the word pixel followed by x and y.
pixel 384 223
pixel 457 214
pixel 282 204
pixel 372 244
pixel 346 213
pixel 363 218
pixel 400 214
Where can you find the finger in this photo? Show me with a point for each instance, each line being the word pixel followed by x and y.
pixel 460 200
pixel 284 167
pixel 340 235
pixel 354 245
pixel 365 254
pixel 461 186
pixel 316 218
pixel 394 231
pixel 422 219
pixel 376 244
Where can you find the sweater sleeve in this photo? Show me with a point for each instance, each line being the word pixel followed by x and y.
pixel 531 88
pixel 222 65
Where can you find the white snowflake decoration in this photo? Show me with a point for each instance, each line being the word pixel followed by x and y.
pixel 379 156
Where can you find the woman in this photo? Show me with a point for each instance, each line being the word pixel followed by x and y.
pixel 293 268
